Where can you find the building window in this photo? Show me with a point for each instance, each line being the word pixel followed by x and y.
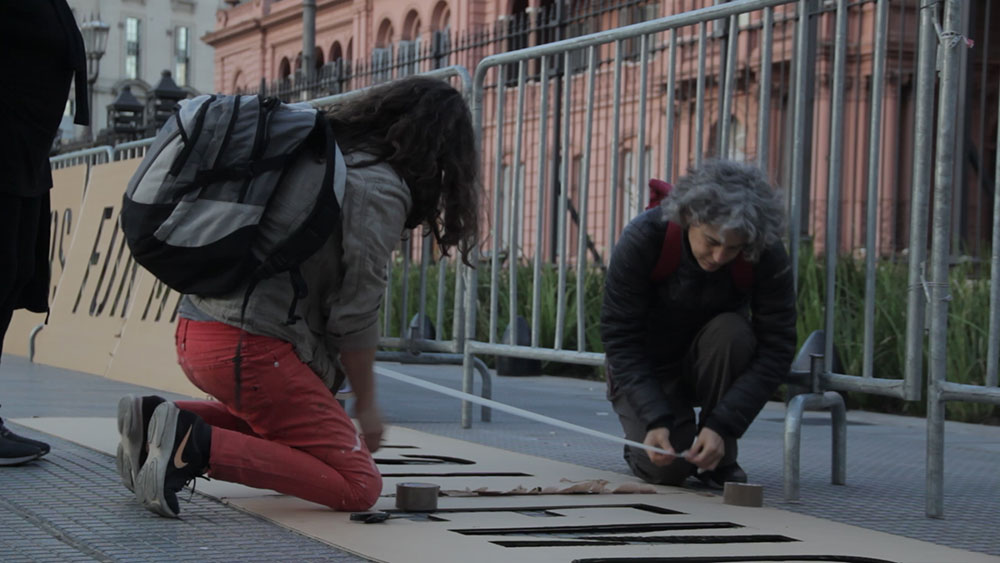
pixel 182 55
pixel 132 51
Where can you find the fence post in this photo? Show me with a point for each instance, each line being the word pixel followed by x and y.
pixel 944 170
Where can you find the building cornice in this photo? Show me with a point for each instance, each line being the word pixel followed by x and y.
pixel 220 36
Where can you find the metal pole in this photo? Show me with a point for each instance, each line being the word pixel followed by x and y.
pixel 944 171
pixel 993 353
pixel 497 204
pixel 561 223
pixel 515 205
pixel 668 142
pixel 581 239
pixel 728 87
pixel 308 38
pixel 798 140
pixel 640 149
pixel 919 205
pixel 543 117
pixel 874 170
pixel 834 176
pixel 764 111
pixel 700 103
pixel 616 186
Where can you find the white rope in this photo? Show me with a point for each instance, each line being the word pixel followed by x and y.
pixel 518 412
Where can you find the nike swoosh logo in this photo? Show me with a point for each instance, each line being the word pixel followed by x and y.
pixel 179 462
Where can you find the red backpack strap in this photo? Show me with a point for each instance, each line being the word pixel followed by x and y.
pixel 742 273
pixel 670 253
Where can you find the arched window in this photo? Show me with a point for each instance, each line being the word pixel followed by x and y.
pixel 318 58
pixel 441 34
pixel 382 53
pixel 409 45
pixel 237 78
pixel 284 69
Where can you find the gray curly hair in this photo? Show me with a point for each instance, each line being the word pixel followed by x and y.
pixel 732 196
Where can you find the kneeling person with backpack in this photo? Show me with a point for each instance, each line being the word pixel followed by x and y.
pixel 699 310
pixel 271 332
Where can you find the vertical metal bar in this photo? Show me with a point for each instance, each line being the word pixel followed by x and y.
pixel 515 204
pixel 425 254
pixel 700 96
pixel 404 300
pixel 439 310
pixel 668 141
pixel 581 244
pixel 834 176
pixel 919 204
pixel 497 227
pixel 387 314
pixel 616 186
pixel 543 124
pixel 993 350
pixel 764 111
pixel 944 176
pixel 728 87
pixel 874 171
pixel 640 150
pixel 798 139
pixel 981 144
pixel 564 186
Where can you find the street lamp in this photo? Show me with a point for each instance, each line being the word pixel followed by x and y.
pixel 95 41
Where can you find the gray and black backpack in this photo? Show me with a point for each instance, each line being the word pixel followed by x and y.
pixel 208 211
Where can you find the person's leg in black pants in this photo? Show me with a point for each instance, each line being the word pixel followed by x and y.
pixel 20 221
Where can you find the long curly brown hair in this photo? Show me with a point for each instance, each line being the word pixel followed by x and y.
pixel 422 128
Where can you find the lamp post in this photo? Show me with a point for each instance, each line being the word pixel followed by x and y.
pixel 95 41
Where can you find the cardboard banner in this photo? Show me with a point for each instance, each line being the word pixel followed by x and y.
pixel 146 354
pixel 66 199
pixel 96 287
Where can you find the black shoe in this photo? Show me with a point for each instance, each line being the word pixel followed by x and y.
pixel 179 445
pixel 16 452
pixel 15 449
pixel 133 422
pixel 718 477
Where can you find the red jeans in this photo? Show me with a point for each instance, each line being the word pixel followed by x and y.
pixel 288 434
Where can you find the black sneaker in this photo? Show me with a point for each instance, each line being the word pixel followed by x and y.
pixel 718 477
pixel 179 444
pixel 133 421
pixel 15 450
pixel 6 434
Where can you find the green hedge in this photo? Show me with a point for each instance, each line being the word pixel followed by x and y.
pixel 968 323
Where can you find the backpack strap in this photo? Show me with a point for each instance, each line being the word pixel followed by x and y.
pixel 670 253
pixel 742 273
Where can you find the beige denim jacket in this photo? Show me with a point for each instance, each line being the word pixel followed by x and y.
pixel 346 279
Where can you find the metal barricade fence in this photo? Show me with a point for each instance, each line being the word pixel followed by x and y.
pixel 558 199
pixel 88 157
pixel 133 149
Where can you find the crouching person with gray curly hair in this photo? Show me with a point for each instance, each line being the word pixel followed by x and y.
pixel 699 310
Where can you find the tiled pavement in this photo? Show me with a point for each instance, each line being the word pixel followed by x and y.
pixel 70 507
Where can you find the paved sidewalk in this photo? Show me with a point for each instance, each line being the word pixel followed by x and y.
pixel 69 507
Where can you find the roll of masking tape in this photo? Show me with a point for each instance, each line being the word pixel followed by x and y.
pixel 417 497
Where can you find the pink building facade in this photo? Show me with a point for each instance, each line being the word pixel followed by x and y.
pixel 258 44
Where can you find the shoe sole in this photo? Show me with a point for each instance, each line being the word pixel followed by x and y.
pixel 130 446
pixel 151 478
pixel 10 461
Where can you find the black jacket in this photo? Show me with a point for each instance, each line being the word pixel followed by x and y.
pixel 41 51
pixel 647 327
